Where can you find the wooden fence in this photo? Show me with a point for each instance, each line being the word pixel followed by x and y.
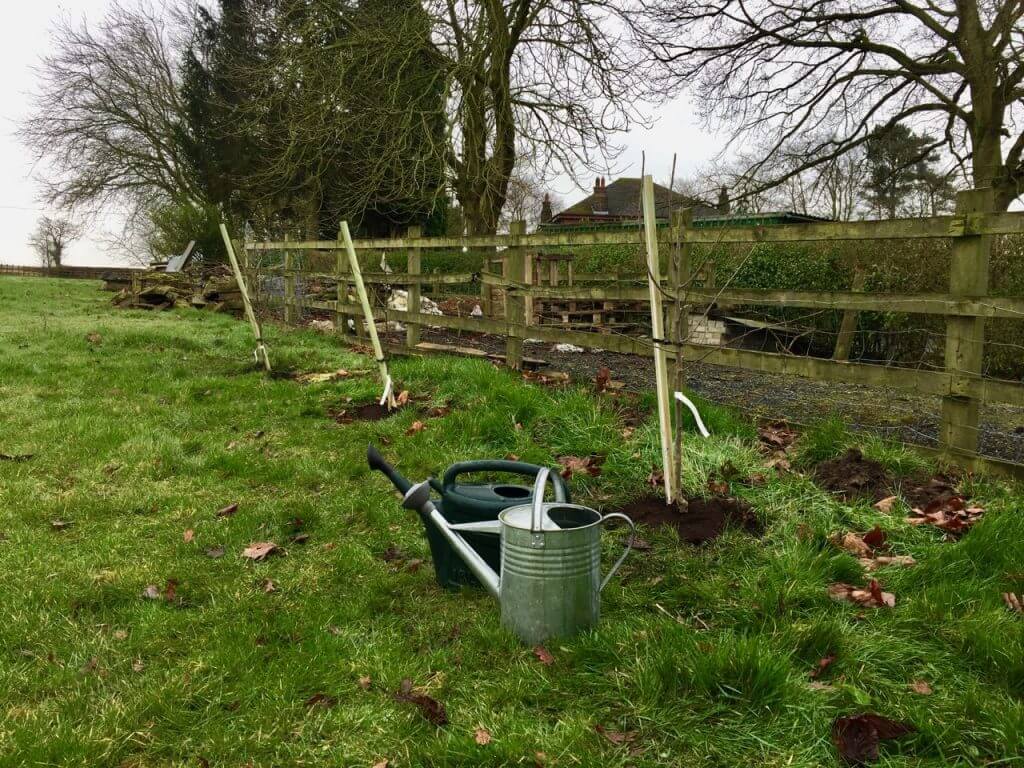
pixel 71 272
pixel 966 304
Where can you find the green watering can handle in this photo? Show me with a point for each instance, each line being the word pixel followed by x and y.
pixel 629 545
pixel 501 465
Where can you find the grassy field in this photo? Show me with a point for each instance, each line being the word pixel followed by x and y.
pixel 142 426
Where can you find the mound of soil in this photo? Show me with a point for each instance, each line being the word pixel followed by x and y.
pixel 362 412
pixel 702 521
pixel 919 492
pixel 852 476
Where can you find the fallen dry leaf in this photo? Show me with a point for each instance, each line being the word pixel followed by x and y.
pixel 921 687
pixel 138 666
pixel 392 553
pixel 950 514
pixel 718 487
pixel 881 561
pixel 417 426
pixel 93 338
pixel 1013 602
pixel 628 432
pixel 824 663
pixel 323 700
pixel 189 536
pixel 152 592
pixel 382 764
pixel 589 465
pixel 776 435
pixel 90 666
pixel 544 655
pixel 269 586
pixel 402 398
pixel 319 378
pixel 60 525
pixel 873 595
pixel 481 736
pixel 604 375
pixel 16 456
pixel 413 565
pixel 875 538
pixel 886 504
pixel 227 511
pixel 365 682
pixel 640 545
pixel 857 737
pixel 617 737
pixel 656 478
pixel 853 543
pixel 429 707
pixel 259 550
pixel 214 552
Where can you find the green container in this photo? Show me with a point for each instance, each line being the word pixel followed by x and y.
pixel 476 503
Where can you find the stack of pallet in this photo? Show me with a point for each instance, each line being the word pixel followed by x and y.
pixel 214 289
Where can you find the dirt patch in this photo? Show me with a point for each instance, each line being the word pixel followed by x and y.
pixel 919 492
pixel 702 521
pixel 351 412
pixel 852 476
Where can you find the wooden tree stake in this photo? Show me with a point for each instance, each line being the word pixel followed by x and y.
pixel 261 350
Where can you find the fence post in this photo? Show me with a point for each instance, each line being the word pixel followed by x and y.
pixel 529 316
pixel 289 285
pixel 515 307
pixel 136 287
pixel 965 336
pixel 414 268
pixel 848 326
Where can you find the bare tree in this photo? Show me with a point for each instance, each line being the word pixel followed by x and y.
pixel 525 199
pixel 552 80
pixel 51 237
pixel 107 115
pixel 781 71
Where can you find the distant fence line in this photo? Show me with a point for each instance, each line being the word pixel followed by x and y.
pixel 71 272
pixel 959 382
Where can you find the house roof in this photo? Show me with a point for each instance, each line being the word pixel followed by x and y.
pixel 624 202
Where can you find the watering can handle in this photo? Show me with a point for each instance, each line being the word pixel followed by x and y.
pixel 629 545
pixel 500 465
pixel 537 516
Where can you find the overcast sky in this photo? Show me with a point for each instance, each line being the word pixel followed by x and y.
pixel 25 38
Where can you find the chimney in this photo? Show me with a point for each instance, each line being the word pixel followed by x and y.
pixel 545 209
pixel 723 201
pixel 600 204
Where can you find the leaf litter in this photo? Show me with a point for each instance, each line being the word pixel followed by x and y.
pixel 857 736
pixel 431 709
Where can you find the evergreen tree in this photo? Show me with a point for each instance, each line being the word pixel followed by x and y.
pixel 900 163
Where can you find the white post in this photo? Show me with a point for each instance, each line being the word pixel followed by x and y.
pixel 658 333
pixel 388 396
pixel 261 349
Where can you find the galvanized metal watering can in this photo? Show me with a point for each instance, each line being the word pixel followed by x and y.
pixel 550 582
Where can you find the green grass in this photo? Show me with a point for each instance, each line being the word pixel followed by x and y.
pixel 704 652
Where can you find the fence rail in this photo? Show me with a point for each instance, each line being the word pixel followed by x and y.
pixel 71 272
pixel 958 382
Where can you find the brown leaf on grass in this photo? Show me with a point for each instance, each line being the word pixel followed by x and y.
pixel 875 538
pixel 60 525
pixel 268 586
pixel 227 511
pixel 382 763
pixel 780 463
pixel 511 457
pixel 439 412
pixel 604 375
pixel 93 338
pixel 589 465
pixel 776 435
pixel 628 432
pixel 481 736
pixel 617 737
pixel 431 709
pixel 656 478
pixel 171 590
pixel 138 665
pixel 718 487
pixel 189 536
pixel 881 561
pixel 640 545
pixel 413 565
pixel 885 505
pixel 757 479
pixel 921 687
pixel 950 514
pixel 823 663
pixel 320 378
pixel 90 666
pixel 365 682
pixel 259 550
pixel 417 426
pixel 857 737
pixel 1013 602
pixel 852 543
pixel 322 700
pixel 214 552
pixel 402 398
pixel 301 537
pixel 543 655
pixel 873 595
pixel 392 553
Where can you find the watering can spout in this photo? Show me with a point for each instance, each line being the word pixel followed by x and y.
pixel 418 498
